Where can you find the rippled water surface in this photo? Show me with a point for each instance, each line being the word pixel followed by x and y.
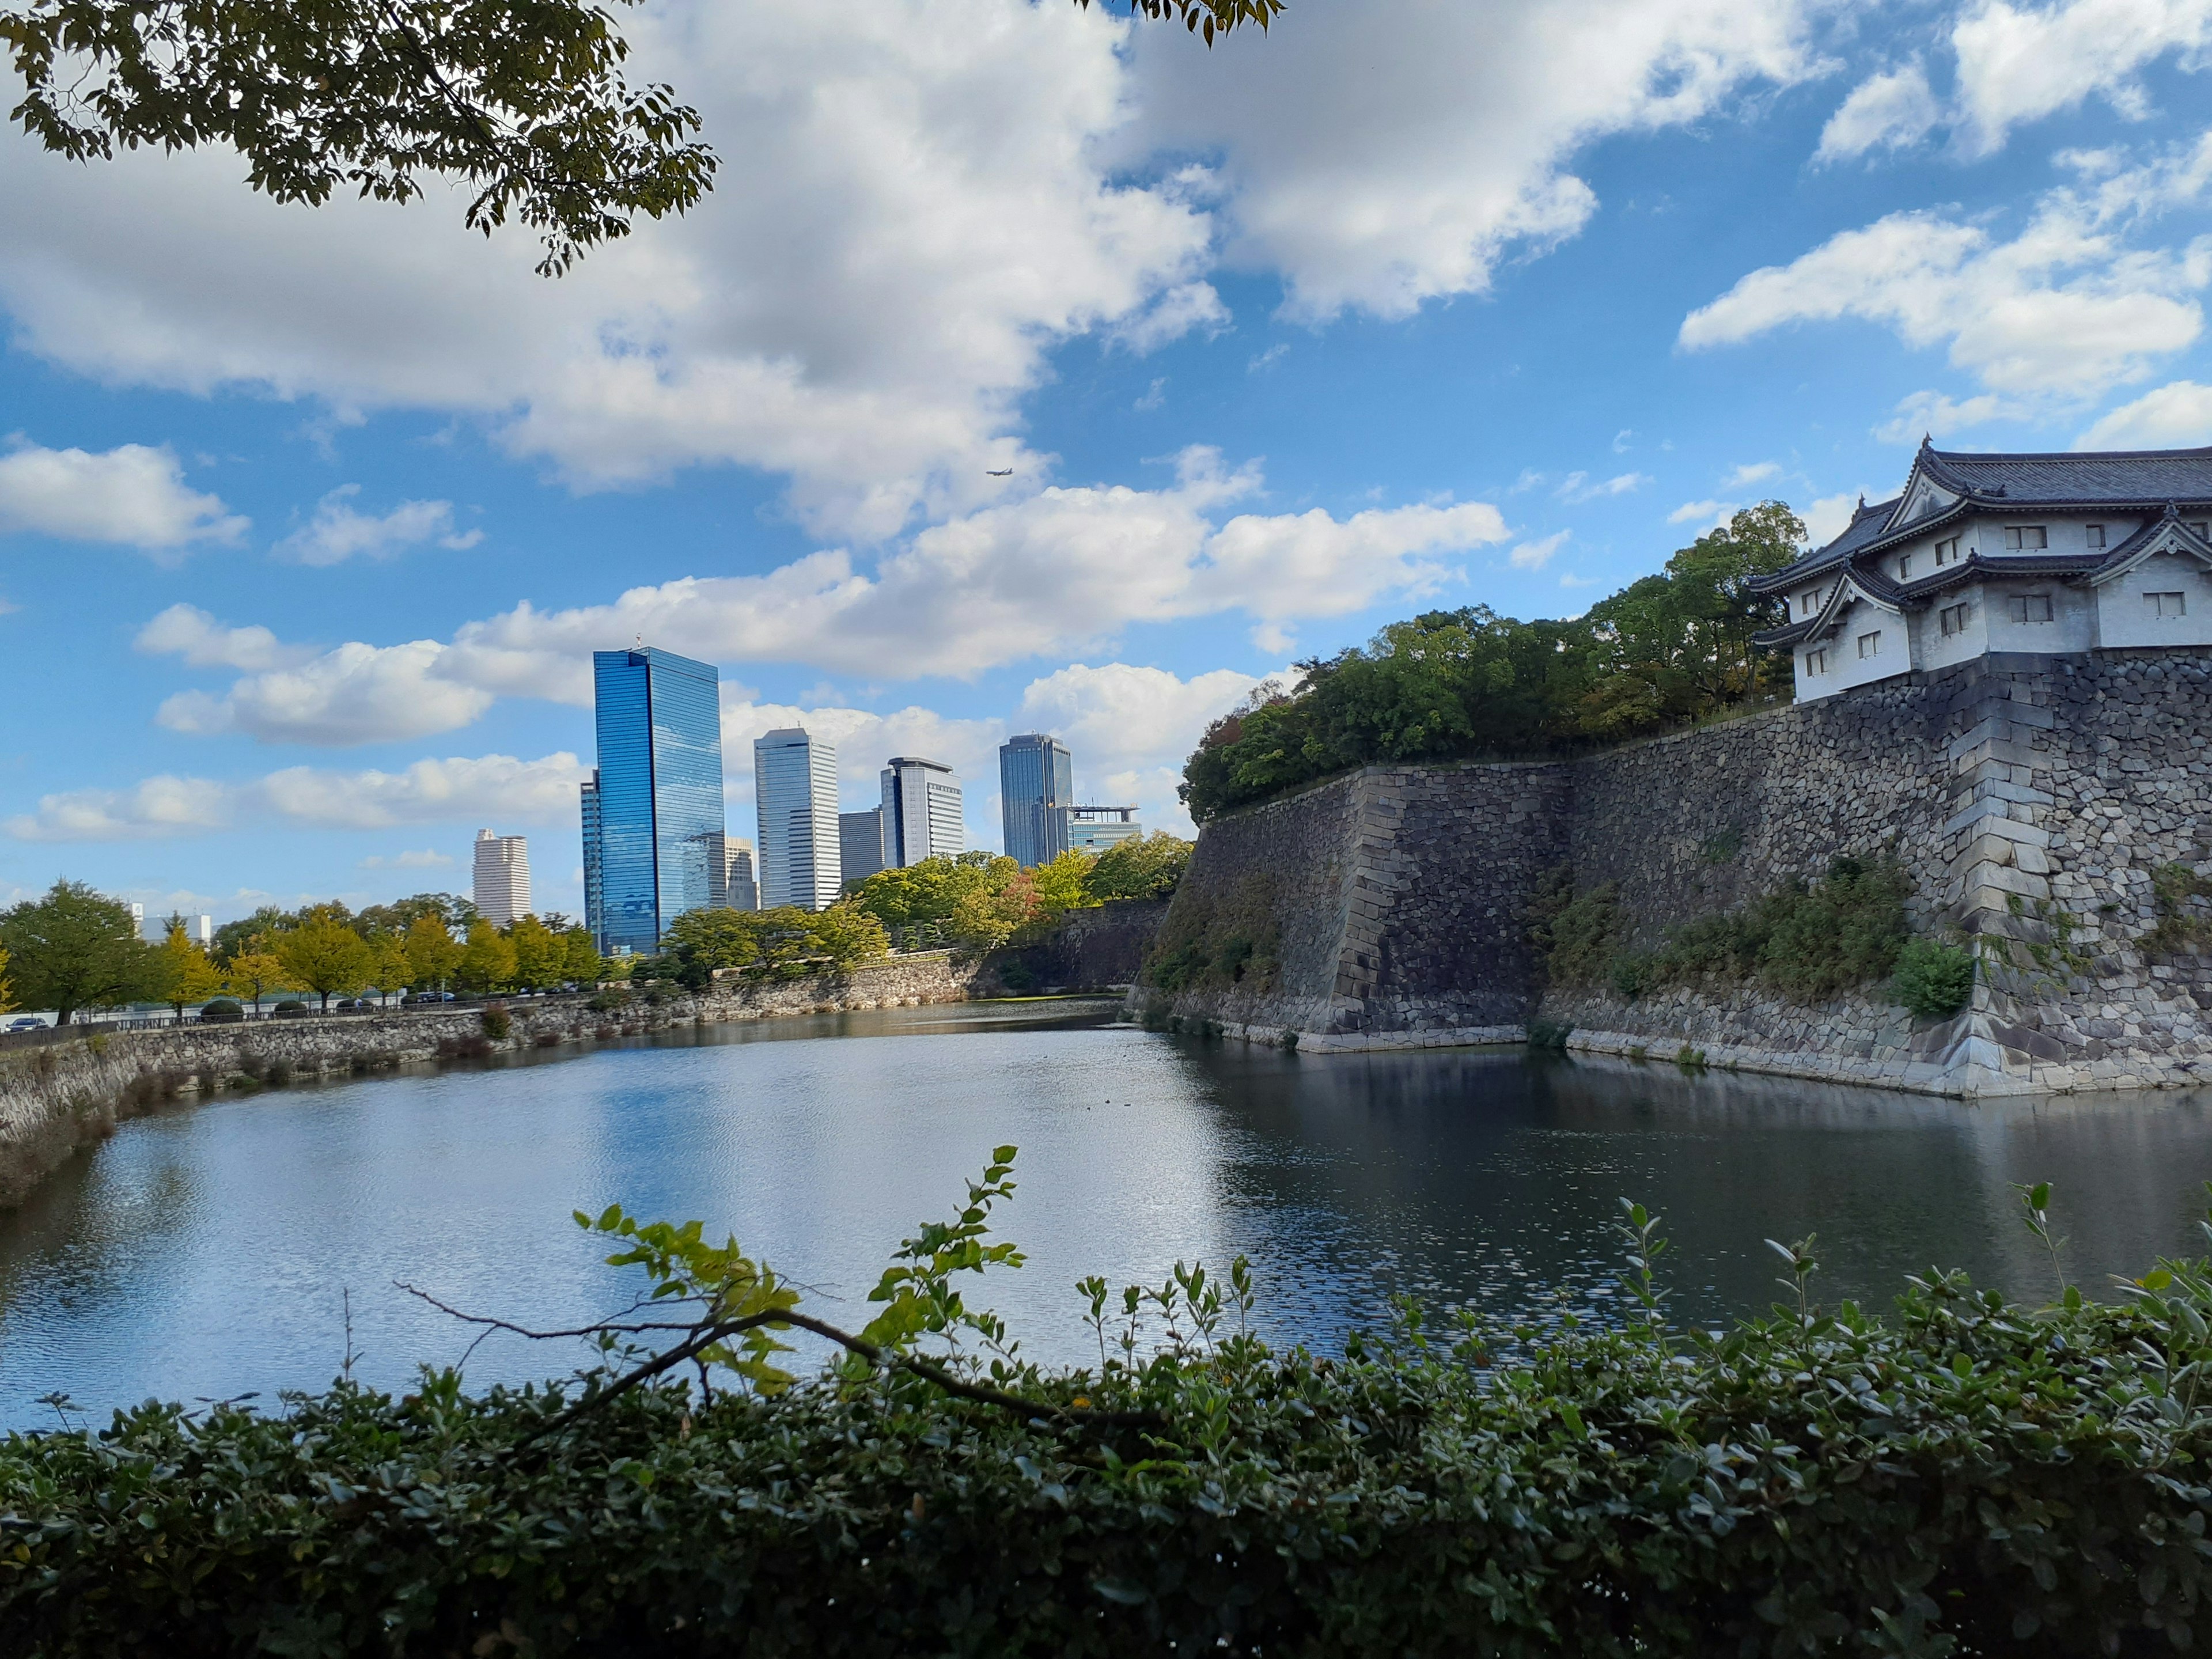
pixel 212 1251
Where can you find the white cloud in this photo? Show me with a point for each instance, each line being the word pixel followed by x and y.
pixel 2019 63
pixel 1450 147
pixel 1750 473
pixel 863 739
pixel 457 790
pixel 2064 310
pixel 1576 488
pixel 2015 64
pixel 2178 415
pixel 355 694
pixel 428 858
pixel 1894 110
pixel 1713 513
pixel 1535 555
pixel 338 531
pixel 186 631
pixel 1180 311
pixel 132 494
pixel 1828 518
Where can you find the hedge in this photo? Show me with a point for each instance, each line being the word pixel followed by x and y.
pixel 1969 1475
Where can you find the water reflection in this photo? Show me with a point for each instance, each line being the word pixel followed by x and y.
pixel 203 1253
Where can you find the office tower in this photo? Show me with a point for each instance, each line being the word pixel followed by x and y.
pixel 717 870
pixel 795 791
pixel 503 877
pixel 594 918
pixel 740 886
pixel 860 843
pixel 655 804
pixel 1036 781
pixel 138 920
pixel 921 811
pixel 1095 829
pixel 204 931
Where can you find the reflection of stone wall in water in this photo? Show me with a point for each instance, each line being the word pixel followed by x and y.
pixel 2031 800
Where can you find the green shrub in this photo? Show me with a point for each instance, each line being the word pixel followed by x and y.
pixel 1550 1034
pixel 1633 973
pixel 608 1000
pixel 1933 981
pixel 1969 1477
pixel 496 1023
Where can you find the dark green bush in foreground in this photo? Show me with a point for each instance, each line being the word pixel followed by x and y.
pixel 1968 1477
pixel 1933 981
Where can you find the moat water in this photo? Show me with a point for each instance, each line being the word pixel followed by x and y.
pixel 220 1250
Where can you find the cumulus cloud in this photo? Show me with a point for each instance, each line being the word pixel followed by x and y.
pixel 1828 518
pixel 1535 555
pixel 1892 110
pixel 1710 514
pixel 1451 148
pixel 356 694
pixel 186 631
pixel 133 494
pixel 456 790
pixel 2178 415
pixel 2064 310
pixel 1752 473
pixel 2015 64
pixel 426 859
pixel 339 531
pixel 1576 488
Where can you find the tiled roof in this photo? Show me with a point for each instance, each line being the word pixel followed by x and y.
pixel 1865 528
pixel 2110 477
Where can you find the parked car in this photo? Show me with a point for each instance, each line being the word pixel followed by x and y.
pixel 221 1011
pixel 28 1023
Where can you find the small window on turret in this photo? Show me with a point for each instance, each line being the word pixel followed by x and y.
pixel 2093 535
pixel 2166 605
pixel 1816 662
pixel 2030 607
pixel 1953 618
pixel 1904 566
pixel 1946 549
pixel 2026 539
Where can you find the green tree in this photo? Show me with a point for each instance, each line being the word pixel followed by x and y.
pixel 400 915
pixel 1063 885
pixel 580 962
pixel 392 972
pixel 253 973
pixel 183 972
pixel 487 961
pixel 1143 866
pixel 324 955
pixel 249 933
pixel 522 102
pixel 723 939
pixel 849 935
pixel 931 889
pixel 75 949
pixel 432 955
pixel 540 958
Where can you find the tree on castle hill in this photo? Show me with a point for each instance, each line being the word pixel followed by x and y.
pixel 522 102
pixel 432 955
pixel 540 957
pixel 74 949
pixel 253 973
pixel 931 889
pixel 322 954
pixel 1143 866
pixel 184 972
pixel 487 961
pixel 1665 650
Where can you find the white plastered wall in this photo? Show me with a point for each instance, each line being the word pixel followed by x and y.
pixel 1846 667
pixel 2124 615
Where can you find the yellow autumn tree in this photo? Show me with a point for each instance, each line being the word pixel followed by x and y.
pixel 254 972
pixel 184 972
pixel 487 962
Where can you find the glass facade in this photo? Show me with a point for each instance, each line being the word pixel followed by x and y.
pixel 921 812
pixel 594 917
pixel 658 799
pixel 1037 784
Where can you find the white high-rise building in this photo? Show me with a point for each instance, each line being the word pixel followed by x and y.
pixel 921 812
pixel 204 931
pixel 795 791
pixel 741 886
pixel 503 877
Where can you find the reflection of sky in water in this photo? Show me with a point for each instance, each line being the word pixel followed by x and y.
pixel 204 1252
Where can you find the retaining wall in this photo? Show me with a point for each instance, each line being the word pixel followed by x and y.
pixel 2030 798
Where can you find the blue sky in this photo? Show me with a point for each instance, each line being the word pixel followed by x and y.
pixel 309 519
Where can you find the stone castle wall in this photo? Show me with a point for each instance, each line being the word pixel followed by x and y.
pixel 2030 798
pixel 56 1096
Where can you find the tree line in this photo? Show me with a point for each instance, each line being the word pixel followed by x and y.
pixel 1667 651
pixel 73 949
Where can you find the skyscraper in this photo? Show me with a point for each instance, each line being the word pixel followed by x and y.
pixel 656 801
pixel 795 791
pixel 742 887
pixel 921 811
pixel 1037 784
pixel 503 877
pixel 1095 829
pixel 860 843
pixel 594 916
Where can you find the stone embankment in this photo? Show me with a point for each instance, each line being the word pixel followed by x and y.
pixel 2031 800
pixel 59 1096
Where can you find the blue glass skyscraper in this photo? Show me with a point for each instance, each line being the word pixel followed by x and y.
pixel 1036 785
pixel 656 802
